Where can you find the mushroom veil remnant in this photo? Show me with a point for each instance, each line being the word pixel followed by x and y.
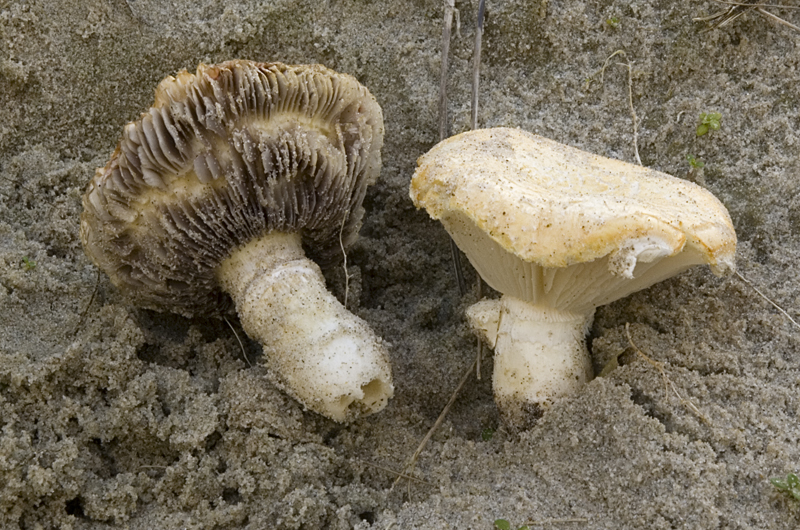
pixel 219 188
pixel 560 232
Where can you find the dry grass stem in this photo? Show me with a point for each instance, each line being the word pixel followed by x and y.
pixel 745 4
pixel 17 183
pixel 130 7
pixel 545 522
pixel 449 10
pixel 777 19
pixel 634 117
pixel 476 65
pixel 479 295
pixel 605 65
pixel 240 341
pixel 737 9
pixel 86 309
pixel 765 297
pixel 478 360
pixel 439 420
pixel 393 472
pixel 344 264
pixel 476 78
pixel 668 384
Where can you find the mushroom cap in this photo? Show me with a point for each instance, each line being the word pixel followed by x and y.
pixel 228 154
pixel 546 222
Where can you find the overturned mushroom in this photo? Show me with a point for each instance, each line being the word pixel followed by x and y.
pixel 560 232
pixel 220 186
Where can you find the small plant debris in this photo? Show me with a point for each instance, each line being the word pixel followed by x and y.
pixel 696 163
pixel 736 9
pixel 613 22
pixel 487 434
pixel 28 263
pixel 503 524
pixel 709 121
pixel 790 486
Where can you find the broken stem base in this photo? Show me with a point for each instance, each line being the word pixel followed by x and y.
pixel 318 352
pixel 540 355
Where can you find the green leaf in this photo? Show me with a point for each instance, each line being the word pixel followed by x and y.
pixel 778 483
pixel 695 162
pixel 709 121
pixel 790 486
pixel 502 524
pixel 487 434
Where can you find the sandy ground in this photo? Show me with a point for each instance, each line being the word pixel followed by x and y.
pixel 116 417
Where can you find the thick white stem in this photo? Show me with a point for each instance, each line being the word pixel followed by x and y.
pixel 317 351
pixel 540 355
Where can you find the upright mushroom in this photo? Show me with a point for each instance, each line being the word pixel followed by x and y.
pixel 220 186
pixel 560 232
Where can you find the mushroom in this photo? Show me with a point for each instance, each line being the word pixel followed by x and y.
pixel 560 232
pixel 219 188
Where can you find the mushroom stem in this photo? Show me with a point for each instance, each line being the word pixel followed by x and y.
pixel 540 355
pixel 317 351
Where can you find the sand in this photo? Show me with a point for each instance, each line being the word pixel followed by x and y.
pixel 116 417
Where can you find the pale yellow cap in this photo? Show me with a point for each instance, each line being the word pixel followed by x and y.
pixel 551 207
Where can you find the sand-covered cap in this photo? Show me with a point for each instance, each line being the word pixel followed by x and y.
pixel 234 151
pixel 546 222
